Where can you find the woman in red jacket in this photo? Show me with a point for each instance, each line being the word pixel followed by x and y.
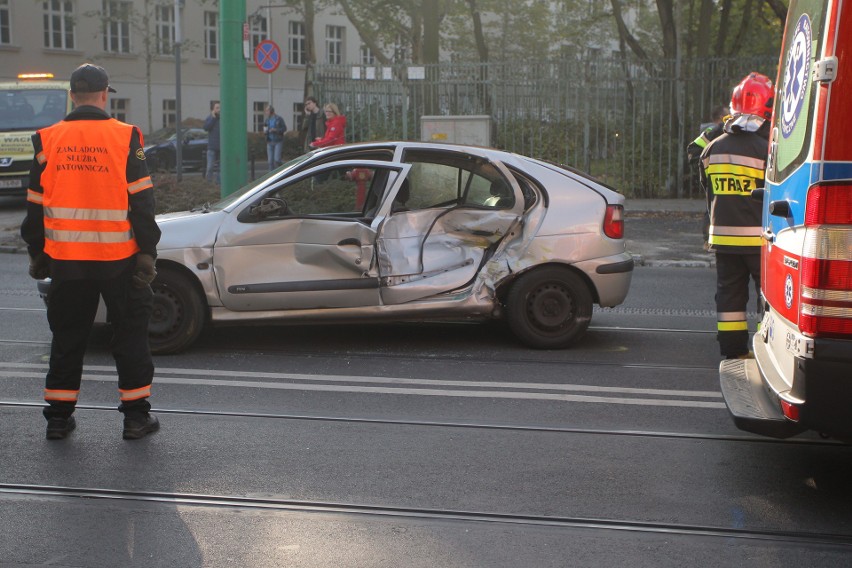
pixel 335 126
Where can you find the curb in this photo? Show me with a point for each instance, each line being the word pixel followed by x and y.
pixel 638 260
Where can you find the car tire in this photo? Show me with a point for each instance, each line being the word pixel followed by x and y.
pixel 178 314
pixel 549 308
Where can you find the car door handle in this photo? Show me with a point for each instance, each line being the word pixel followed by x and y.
pixel 768 236
pixel 349 241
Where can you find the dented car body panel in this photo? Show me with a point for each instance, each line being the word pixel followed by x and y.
pixel 397 231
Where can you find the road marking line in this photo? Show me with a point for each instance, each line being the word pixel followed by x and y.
pixel 161 372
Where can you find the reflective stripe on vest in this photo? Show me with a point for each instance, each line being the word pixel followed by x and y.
pixel 735 236
pixel 86 191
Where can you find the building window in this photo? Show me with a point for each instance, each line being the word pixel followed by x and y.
pixel 164 25
pixel 257 31
pixel 211 35
pixel 117 26
pixel 367 57
pixel 297 44
pixel 169 113
pixel 58 24
pixel 334 44
pixel 257 116
pixel 118 109
pixel 298 115
pixel 5 22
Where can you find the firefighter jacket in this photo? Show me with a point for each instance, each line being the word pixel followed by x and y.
pixel 694 148
pixel 732 166
pixel 90 199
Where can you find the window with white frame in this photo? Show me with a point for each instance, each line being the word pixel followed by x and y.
pixel 58 24
pixel 118 109
pixel 169 113
pixel 297 53
pixel 367 57
pixel 211 35
pixel 5 22
pixel 117 26
pixel 334 44
pixel 164 27
pixel 257 116
pixel 257 31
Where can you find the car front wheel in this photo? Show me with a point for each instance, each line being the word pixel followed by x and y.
pixel 178 315
pixel 549 308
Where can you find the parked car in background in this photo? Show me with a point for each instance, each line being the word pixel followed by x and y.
pixel 163 156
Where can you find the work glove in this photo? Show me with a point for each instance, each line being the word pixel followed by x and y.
pixel 40 266
pixel 144 273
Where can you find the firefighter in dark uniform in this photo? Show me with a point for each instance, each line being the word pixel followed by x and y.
pixel 693 151
pixel 732 166
pixel 90 227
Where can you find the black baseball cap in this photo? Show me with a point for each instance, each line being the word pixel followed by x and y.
pixel 89 78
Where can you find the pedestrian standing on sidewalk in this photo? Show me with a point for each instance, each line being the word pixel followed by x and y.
pixel 313 128
pixel 274 127
pixel 733 166
pixel 90 228
pixel 211 125
pixel 335 128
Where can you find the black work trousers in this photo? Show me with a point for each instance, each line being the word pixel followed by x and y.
pixel 71 309
pixel 732 283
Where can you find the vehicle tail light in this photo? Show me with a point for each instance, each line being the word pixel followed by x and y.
pixel 826 266
pixel 614 222
pixel 790 410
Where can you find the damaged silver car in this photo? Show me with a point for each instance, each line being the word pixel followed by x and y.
pixel 403 231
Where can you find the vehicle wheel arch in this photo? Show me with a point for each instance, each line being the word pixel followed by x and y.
pixel 177 292
pixel 505 285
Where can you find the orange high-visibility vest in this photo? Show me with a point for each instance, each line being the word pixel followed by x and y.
pixel 86 191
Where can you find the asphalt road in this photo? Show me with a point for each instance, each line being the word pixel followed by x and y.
pixel 416 445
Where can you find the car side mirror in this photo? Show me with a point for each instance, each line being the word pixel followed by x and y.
pixel 269 207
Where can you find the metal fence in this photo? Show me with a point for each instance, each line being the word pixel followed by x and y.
pixel 627 124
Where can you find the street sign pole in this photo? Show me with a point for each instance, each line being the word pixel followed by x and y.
pixel 232 92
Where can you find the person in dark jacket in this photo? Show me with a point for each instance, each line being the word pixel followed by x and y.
pixel 211 125
pixel 90 227
pixel 313 121
pixel 732 167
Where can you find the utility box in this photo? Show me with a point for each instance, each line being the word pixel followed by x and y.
pixel 474 130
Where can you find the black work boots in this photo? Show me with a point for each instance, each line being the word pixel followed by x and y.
pixel 59 428
pixel 136 426
pixel 139 425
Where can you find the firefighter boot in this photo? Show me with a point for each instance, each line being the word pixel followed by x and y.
pixel 139 425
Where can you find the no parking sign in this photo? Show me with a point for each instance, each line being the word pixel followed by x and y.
pixel 267 56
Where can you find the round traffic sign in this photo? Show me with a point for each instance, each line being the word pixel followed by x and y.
pixel 267 56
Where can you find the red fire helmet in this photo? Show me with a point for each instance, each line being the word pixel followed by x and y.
pixel 754 95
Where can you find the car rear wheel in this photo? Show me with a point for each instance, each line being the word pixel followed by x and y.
pixel 178 315
pixel 549 308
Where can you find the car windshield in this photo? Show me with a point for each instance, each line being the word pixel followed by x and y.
pixel 30 109
pixel 234 197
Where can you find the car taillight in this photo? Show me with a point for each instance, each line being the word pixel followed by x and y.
pixel 614 221
pixel 826 266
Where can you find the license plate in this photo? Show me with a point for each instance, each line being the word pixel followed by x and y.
pixel 10 183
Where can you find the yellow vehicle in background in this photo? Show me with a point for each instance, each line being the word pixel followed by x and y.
pixel 32 102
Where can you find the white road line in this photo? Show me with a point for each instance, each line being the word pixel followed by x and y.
pixel 354 388
pixel 161 372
